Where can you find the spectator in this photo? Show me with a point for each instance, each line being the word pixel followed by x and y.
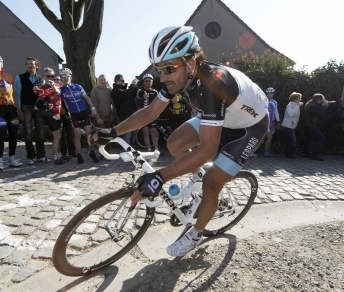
pixel 179 111
pixel 26 97
pixel 49 101
pixel 290 121
pixel 273 116
pixel 124 100
pixel 9 120
pixel 73 95
pixel 313 111
pixel 67 135
pixel 342 111
pixel 101 99
pixel 145 97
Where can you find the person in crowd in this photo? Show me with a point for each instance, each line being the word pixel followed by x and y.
pixel 73 95
pixel 179 111
pixel 341 121
pixel 145 97
pixel 102 101
pixel 26 96
pixel 273 116
pixel 124 99
pixel 314 110
pixel 9 120
pixel 67 133
pixel 227 102
pixel 290 121
pixel 49 102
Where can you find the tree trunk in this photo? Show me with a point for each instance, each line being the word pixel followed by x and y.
pixel 79 43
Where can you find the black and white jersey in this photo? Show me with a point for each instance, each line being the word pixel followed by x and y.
pixel 223 96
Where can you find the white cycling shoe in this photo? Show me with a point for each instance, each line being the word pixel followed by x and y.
pixel 184 245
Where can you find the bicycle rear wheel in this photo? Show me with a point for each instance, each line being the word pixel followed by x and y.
pixel 232 208
pixel 84 246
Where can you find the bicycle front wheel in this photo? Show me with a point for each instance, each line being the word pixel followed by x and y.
pixel 233 206
pixel 100 234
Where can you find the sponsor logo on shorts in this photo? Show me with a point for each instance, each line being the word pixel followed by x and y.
pixel 227 155
pixel 209 115
pixel 249 148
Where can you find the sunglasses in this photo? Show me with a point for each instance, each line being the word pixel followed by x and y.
pixel 65 76
pixel 57 79
pixel 168 69
pixel 121 80
pixel 49 76
pixel 148 80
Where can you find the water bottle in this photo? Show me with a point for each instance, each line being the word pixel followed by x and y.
pixel 174 191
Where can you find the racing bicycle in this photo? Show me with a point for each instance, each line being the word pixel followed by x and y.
pixel 109 227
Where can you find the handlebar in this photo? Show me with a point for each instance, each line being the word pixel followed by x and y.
pixel 126 155
pixel 129 156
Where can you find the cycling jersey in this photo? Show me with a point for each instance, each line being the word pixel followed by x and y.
pixel 72 94
pixel 223 96
pixel 6 89
pixel 227 98
pixel 47 94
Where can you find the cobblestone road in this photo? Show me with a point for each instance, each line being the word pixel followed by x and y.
pixel 37 201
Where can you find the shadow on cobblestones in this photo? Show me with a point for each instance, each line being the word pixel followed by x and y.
pixel 163 274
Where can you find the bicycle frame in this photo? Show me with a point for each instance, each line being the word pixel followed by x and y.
pixel 137 158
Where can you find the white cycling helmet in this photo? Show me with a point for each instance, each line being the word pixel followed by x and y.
pixel 65 71
pixel 171 43
pixel 147 76
pixel 270 90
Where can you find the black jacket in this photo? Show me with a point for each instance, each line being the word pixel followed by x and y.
pixel 28 97
pixel 124 100
pixel 312 113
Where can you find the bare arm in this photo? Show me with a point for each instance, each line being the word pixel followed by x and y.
pixel 142 117
pixel 94 113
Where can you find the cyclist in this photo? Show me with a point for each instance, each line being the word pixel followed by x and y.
pixel 273 115
pixel 145 97
pixel 226 101
pixel 49 102
pixel 73 95
pixel 9 120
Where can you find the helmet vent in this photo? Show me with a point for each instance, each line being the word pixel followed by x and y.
pixel 165 40
pixel 180 46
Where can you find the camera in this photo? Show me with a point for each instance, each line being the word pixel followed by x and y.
pixel 331 102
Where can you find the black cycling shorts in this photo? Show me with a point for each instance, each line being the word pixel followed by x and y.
pixel 80 119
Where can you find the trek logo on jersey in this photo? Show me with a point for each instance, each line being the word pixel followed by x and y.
pixel 249 148
pixel 250 110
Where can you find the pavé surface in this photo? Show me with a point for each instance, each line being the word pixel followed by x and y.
pixel 37 201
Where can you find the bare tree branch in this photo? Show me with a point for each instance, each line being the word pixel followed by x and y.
pixel 78 7
pixel 79 41
pixel 48 14
pixel 66 10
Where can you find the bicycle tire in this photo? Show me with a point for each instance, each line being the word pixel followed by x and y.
pixel 232 217
pixel 74 257
pixel 140 141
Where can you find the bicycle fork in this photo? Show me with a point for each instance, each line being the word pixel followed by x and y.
pixel 116 235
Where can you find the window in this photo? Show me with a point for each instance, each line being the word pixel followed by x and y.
pixel 212 30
